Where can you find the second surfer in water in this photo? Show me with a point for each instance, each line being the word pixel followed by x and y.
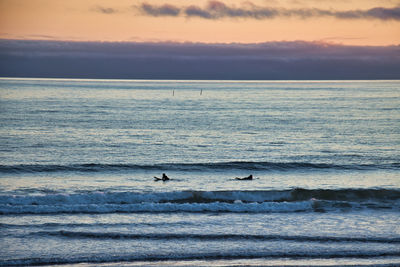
pixel 250 177
pixel 164 178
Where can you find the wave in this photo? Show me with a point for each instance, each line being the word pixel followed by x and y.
pixel 148 258
pixel 72 225
pixel 293 200
pixel 221 166
pixel 158 207
pixel 253 237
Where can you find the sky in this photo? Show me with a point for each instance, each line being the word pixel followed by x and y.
pixel 323 36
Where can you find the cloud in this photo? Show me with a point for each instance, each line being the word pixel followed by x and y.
pixel 41 36
pixel 163 10
pixel 167 60
pixel 375 13
pixel 195 11
pixel 218 10
pixel 104 10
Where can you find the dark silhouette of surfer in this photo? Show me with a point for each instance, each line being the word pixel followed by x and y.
pixel 164 178
pixel 250 177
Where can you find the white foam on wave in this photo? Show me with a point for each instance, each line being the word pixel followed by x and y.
pixel 248 196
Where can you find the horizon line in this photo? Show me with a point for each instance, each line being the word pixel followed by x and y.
pixel 197 80
pixel 322 42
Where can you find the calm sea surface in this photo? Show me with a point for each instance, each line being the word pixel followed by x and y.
pixel 78 157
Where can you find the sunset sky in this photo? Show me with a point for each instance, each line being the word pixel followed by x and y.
pixel 329 27
pixel 354 22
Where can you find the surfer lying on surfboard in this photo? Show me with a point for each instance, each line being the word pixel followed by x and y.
pixel 250 177
pixel 164 178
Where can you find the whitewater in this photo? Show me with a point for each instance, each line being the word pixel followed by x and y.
pixel 78 157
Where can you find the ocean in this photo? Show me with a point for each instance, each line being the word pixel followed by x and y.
pixel 78 157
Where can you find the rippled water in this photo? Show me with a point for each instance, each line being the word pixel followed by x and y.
pixel 77 160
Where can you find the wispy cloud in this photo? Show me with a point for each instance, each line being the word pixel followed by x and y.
pixel 41 36
pixel 104 10
pixel 218 10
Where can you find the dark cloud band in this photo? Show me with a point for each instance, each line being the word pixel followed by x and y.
pixel 265 61
pixel 219 10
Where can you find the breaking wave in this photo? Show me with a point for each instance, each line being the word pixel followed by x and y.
pixel 293 200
